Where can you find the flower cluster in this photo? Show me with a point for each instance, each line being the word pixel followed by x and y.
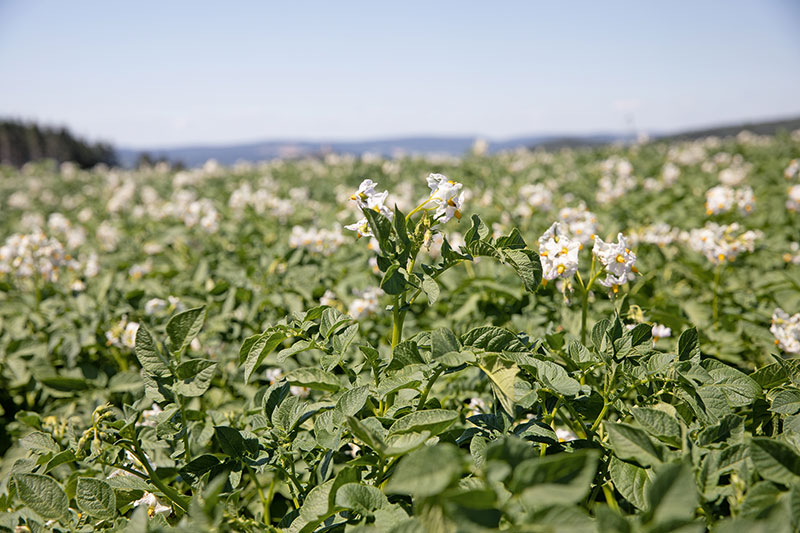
pixel 558 253
pixel 580 223
pixel 617 260
pixel 617 179
pixel 786 330
pixel 446 199
pixel 793 202
pixel 317 241
pixel 661 234
pixel 122 334
pixel 720 243
pixel 722 198
pixel 365 304
pixel 367 198
pixel 535 197
pixel 792 170
pixel 34 254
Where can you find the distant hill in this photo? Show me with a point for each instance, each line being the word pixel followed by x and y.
pixel 761 128
pixel 229 154
pixel 21 142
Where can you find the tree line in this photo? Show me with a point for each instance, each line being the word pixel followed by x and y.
pixel 21 142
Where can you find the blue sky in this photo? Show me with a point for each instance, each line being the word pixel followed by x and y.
pixel 166 73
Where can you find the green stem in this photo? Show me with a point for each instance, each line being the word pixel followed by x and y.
pixel 424 396
pixel 610 499
pixel 397 326
pixel 173 495
pixel 260 490
pixel 186 452
pixel 715 303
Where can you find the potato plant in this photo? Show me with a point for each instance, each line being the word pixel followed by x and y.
pixel 208 350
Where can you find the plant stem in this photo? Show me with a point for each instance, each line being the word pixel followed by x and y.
pixel 173 495
pixel 397 327
pixel 424 396
pixel 260 490
pixel 715 303
pixel 187 453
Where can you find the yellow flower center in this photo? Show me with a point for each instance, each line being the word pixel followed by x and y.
pixel 560 269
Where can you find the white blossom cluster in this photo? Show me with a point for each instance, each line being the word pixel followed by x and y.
pixel 793 255
pixel 122 334
pixel 33 254
pixel 367 197
pixel 722 198
pixel 661 234
pixel 618 261
pixel 792 170
pixel 558 253
pixel 446 199
pixel 616 181
pixel 318 241
pixel 579 222
pixel 786 330
pixel 722 242
pixel 156 305
pixel 793 201
pixel 365 303
pixel 535 197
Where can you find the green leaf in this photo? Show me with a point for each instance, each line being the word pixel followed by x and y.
pixel 774 460
pixel 493 339
pixel 39 442
pixel 362 499
pixel 478 230
pixel 672 494
pixel 554 377
pixel 382 229
pixel 427 471
pixel 739 388
pixel 233 443
pixel 443 341
pixel 688 345
pixel 260 347
pixel 96 498
pixel 640 334
pixel 148 355
pixel 431 289
pixel 194 377
pixel 502 375
pixel 633 444
pixel 560 479
pixel 631 481
pixel 314 378
pixel 43 495
pixel 331 320
pixel 659 424
pixel 786 402
pixel 432 420
pixel 352 401
pixel 365 434
pixel 200 465
pixel 528 267
pixel 184 327
pixel 393 282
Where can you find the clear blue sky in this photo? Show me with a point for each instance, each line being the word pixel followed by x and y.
pixel 167 72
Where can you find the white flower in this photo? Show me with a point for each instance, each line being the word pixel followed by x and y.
pixel 154 305
pixel 77 285
pixel 149 416
pixel 352 450
pixel 792 170
pixel 617 259
pixel 558 254
pixel 300 392
pixel 365 191
pixel 34 254
pixel 365 304
pixel 477 405
pixel 154 505
pixel 129 335
pixel 324 242
pixel 745 200
pixel 580 223
pixel 793 202
pixel 786 330
pixel 329 298
pixel 565 435
pixel 446 198
pixel 720 243
pixel 661 331
pixel 719 199
pixel 273 375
